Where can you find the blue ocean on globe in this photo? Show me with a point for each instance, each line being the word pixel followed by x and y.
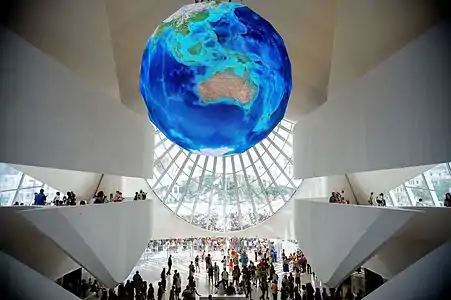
pixel 216 78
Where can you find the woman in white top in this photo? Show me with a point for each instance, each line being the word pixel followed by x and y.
pixel 57 199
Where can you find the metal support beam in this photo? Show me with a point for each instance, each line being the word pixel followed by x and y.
pixel 199 188
pixel 260 182
pixel 280 168
pixel 212 188
pixel 167 169
pixel 188 181
pixel 248 186
pixel 267 171
pixel 237 195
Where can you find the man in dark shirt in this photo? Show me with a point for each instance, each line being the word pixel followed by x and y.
pixel 169 264
pixel 210 274
pixel 160 291
pixel 40 198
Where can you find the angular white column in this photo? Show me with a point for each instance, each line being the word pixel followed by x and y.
pixel 338 238
pixel 422 234
pixel 23 241
pixel 425 279
pixel 107 240
pixel 17 281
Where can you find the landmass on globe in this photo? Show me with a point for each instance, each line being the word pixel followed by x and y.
pixel 215 77
pixel 225 85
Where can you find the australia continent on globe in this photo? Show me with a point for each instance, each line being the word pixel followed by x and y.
pixel 215 78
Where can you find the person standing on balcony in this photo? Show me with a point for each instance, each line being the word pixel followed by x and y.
pixel 39 199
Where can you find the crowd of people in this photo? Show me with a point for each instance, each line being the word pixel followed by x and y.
pixel 241 270
pixel 338 197
pixel 379 201
pixel 70 198
pixel 100 197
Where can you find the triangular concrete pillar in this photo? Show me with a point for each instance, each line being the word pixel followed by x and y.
pixel 338 238
pixel 105 239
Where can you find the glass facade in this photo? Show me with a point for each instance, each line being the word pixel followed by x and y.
pixel 431 186
pixel 226 193
pixel 18 187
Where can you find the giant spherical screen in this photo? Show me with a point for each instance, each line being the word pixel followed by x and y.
pixel 216 78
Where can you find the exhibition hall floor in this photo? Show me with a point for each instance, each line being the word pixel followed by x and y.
pixel 151 264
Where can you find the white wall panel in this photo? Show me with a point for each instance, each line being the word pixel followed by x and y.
pixel 367 32
pixel 321 188
pixel 19 282
pixel 51 118
pixel 74 32
pixel 392 117
pixel 280 225
pixel 127 185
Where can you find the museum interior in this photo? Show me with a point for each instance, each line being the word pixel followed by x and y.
pixel 189 149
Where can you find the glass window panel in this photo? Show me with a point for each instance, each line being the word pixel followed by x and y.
pixel 236 161
pixel 213 201
pixel 417 182
pixel 185 211
pixel 400 194
pixel 29 182
pixel 172 203
pixel 424 194
pixel 9 177
pixel 6 198
pixel 159 151
pixel 283 133
pixel 246 161
pixel 167 144
pixel 277 203
pixel 263 213
pixel 441 180
pixel 287 124
pixel 232 220
pixel 388 200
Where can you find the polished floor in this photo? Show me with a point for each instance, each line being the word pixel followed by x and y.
pixel 151 264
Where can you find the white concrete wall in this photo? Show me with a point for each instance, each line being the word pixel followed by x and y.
pixel 83 184
pixel 280 225
pixel 321 188
pixel 127 185
pixel 19 282
pixel 51 118
pixel 367 32
pixel 74 32
pixel 394 116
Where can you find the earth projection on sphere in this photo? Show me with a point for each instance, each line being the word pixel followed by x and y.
pixel 216 78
